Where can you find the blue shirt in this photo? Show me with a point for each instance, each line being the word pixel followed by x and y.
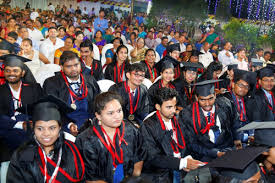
pixel 142 34
pixel 269 97
pixel 139 19
pixel 160 49
pixel 100 25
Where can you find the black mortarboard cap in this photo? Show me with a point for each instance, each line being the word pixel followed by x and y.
pixel 247 76
pixel 5 45
pixel 195 53
pixel 47 108
pixel 191 66
pixel 206 87
pixel 256 62
pixel 265 72
pixel 238 164
pixel 13 60
pixel 166 65
pixel 173 47
pixel 232 66
pixel 264 133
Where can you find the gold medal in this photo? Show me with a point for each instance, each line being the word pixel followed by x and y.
pixel 73 106
pixel 131 117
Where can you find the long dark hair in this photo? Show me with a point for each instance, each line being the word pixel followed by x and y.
pixel 115 55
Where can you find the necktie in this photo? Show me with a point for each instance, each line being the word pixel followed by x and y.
pixel 214 128
pixel 75 86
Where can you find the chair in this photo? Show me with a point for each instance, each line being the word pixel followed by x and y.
pixel 157 57
pixel 104 50
pixel 147 83
pixel 46 71
pixel 158 78
pixel 105 84
pixel 130 48
pixel 96 52
pixel 149 115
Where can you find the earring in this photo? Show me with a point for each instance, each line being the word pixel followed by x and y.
pixel 99 122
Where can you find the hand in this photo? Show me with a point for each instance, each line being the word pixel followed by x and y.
pixel 73 129
pixel 220 154
pixel 193 164
pixel 227 54
pixel 238 144
pixel 251 139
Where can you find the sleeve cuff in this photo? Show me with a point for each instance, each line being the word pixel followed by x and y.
pixel 19 125
pixel 183 162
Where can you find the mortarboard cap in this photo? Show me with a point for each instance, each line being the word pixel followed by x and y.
pixel 264 133
pixel 47 108
pixel 191 66
pixel 195 53
pixel 232 66
pixel 5 45
pixel 238 164
pixel 265 72
pixel 257 62
pixel 206 87
pixel 13 60
pixel 166 65
pixel 247 76
pixel 173 47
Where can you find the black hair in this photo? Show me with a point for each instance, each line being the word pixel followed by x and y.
pixel 102 99
pixel 164 38
pixel 259 49
pixel 27 40
pixel 133 33
pixel 115 55
pixel 148 50
pixel 78 33
pixel 117 38
pixel 13 34
pixel 267 52
pixel 52 28
pixel 63 28
pixel 68 56
pixel 71 38
pixel 87 43
pixel 138 67
pixel 101 10
pixel 212 67
pixel 164 94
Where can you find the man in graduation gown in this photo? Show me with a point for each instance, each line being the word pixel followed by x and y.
pixel 173 52
pixel 8 48
pixel 165 141
pixel 91 66
pixel 76 88
pixel 211 123
pixel 134 93
pixel 262 105
pixel 14 94
pixel 243 84
pixel 183 84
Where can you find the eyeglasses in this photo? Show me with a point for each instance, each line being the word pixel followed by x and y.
pixel 268 80
pixel 139 75
pixel 243 86
pixel 191 72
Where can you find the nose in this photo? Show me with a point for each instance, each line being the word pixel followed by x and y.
pixel 46 133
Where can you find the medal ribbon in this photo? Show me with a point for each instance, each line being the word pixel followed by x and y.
pixel 92 71
pixel 242 112
pixel 268 104
pixel 118 71
pixel 150 71
pixel 169 85
pixel 131 97
pixel 82 86
pixel 175 126
pixel 112 145
pixel 189 95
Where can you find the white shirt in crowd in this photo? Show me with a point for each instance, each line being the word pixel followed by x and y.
pixel 206 58
pixel 35 34
pixel 16 96
pixel 182 47
pixel 224 59
pixel 47 48
pixel 242 65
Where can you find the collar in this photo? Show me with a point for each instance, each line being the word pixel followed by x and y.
pixel 70 81
pixel 266 93
pixel 206 112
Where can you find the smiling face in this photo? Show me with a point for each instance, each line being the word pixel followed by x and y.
pixel 135 77
pixel 206 103
pixel 46 132
pixel 122 54
pixel 168 74
pixel 13 74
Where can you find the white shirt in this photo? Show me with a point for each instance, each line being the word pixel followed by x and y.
pixel 16 95
pixel 206 58
pixel 224 59
pixel 218 124
pixel 51 8
pixel 182 47
pixel 74 86
pixel 47 48
pixel 242 65
pixel 35 34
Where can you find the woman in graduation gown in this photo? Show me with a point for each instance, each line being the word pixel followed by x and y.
pixel 167 75
pixel 47 157
pixel 115 71
pixel 111 147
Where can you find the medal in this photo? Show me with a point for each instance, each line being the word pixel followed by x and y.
pixel 73 106
pixel 131 117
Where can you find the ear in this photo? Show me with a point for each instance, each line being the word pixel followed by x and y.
pixel 98 116
pixel 23 73
pixel 128 75
pixel 157 106
pixel 265 153
pixel 196 98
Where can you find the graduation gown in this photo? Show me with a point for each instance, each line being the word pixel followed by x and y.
pixel 269 176
pixel 160 161
pixel 111 72
pixel 152 92
pixel 226 82
pixel 26 164
pixel 98 161
pixel 186 92
pixel 62 91
pixel 150 73
pixel 13 137
pixel 142 109
pixel 95 71
pixel 201 146
pixel 258 107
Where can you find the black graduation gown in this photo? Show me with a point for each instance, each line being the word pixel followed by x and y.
pixel 269 176
pixel 62 91
pixel 201 146
pixel 111 69
pixel 142 109
pixel 13 137
pixel 258 107
pixel 152 92
pixel 25 164
pixel 97 159
pixel 185 97
pixel 225 83
pixel 95 71
pixel 147 71
pixel 160 162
